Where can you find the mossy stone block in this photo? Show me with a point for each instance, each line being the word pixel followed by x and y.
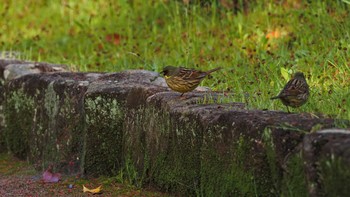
pixel 50 110
pixel 104 134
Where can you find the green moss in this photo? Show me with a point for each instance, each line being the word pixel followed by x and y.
pixel 65 118
pixel 12 166
pixel 164 148
pixel 142 142
pixel 47 132
pixel 3 147
pixel 291 180
pixel 51 127
pixel 179 163
pixel 272 160
pixel 104 132
pixel 71 129
pixel 18 107
pixel 335 176
pixel 225 172
pixel 294 181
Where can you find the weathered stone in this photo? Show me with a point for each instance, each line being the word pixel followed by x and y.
pixel 36 66
pixel 11 68
pixel 173 141
pixel 223 149
pixel 3 147
pixel 326 155
pixel 50 110
pixel 283 142
pixel 4 61
pixel 13 71
pixel 107 102
pixel 188 146
pixel 131 122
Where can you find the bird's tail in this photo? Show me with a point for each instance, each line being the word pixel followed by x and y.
pixel 213 70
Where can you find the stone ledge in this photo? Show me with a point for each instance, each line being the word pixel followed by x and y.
pixel 49 107
pixel 101 123
pixel 327 159
pixel 12 68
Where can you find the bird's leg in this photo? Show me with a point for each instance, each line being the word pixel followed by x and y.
pixel 182 97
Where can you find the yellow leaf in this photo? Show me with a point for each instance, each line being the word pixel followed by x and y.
pixel 93 191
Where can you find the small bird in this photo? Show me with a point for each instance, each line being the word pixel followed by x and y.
pixel 295 93
pixel 184 80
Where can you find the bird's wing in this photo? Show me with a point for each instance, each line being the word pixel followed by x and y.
pixel 187 74
pixel 294 88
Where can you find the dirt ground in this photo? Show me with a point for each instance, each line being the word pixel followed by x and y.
pixel 17 178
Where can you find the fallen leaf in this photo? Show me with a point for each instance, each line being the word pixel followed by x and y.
pixel 273 34
pixel 113 38
pixel 93 191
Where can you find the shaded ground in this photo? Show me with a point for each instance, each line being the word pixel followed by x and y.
pixel 17 178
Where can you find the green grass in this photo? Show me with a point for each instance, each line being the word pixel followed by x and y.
pixel 10 165
pixel 115 35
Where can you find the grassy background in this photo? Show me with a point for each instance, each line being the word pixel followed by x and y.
pixel 259 49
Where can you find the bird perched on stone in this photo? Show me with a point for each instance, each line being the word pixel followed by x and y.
pixel 295 93
pixel 184 80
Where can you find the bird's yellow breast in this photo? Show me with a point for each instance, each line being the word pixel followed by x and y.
pixel 180 85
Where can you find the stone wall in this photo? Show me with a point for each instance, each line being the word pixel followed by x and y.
pixel 129 123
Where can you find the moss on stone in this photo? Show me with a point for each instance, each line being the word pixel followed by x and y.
pixel 335 176
pixel 274 169
pixel 18 107
pixel 224 171
pixel 289 179
pixel 104 132
pixel 148 144
pixel 165 149
pixel 3 147
pixel 71 124
pixel 294 180
pixel 51 126
pixel 48 130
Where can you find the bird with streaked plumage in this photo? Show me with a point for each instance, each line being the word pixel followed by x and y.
pixel 184 80
pixel 295 93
